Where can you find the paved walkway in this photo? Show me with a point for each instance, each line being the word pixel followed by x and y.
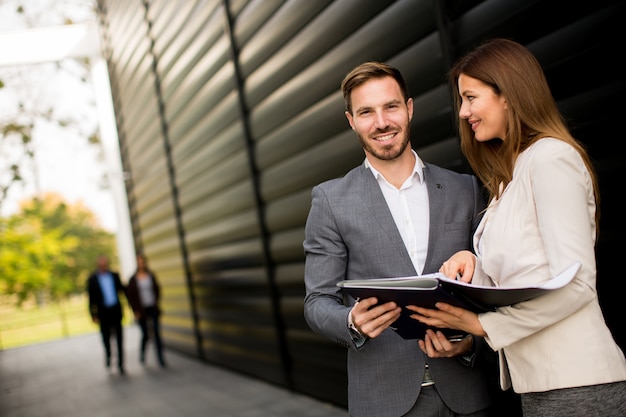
pixel 67 378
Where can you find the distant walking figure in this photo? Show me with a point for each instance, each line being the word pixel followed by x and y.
pixel 104 288
pixel 144 295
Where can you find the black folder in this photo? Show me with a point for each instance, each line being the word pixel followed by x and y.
pixel 427 290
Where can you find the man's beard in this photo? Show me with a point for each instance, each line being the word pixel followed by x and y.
pixel 387 153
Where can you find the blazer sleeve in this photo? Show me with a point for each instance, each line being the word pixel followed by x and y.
pixel 326 263
pixel 94 295
pixel 132 294
pixel 560 189
pixel 157 292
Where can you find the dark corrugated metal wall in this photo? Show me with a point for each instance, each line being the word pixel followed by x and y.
pixel 228 112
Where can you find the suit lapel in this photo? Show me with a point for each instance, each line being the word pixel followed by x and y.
pixel 437 204
pixel 372 198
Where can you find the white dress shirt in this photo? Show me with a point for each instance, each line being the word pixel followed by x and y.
pixel 409 208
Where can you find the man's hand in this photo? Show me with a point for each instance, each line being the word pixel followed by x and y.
pixel 371 321
pixel 437 345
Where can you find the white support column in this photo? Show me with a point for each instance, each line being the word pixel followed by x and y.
pixel 115 173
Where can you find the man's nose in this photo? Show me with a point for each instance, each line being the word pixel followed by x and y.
pixel 381 120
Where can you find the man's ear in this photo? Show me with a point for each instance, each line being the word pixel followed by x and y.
pixel 350 119
pixel 409 106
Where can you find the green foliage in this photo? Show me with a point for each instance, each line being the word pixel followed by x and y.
pixel 49 248
pixel 12 134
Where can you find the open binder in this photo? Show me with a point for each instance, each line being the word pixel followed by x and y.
pixel 427 290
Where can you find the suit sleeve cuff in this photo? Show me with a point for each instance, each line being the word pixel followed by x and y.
pixel 357 338
pixel 469 357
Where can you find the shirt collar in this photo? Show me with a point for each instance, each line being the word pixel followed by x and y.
pixel 418 168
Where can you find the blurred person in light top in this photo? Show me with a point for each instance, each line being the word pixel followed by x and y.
pixel 144 295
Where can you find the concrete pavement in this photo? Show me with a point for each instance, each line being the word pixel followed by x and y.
pixel 67 378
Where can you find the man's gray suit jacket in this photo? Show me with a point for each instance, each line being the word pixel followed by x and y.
pixel 351 234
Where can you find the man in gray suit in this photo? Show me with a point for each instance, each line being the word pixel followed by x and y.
pixel 392 216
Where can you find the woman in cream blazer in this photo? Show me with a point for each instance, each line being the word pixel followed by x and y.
pixel 555 350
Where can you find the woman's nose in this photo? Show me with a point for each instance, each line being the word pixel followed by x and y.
pixel 464 112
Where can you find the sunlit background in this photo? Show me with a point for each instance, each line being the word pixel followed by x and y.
pixel 64 161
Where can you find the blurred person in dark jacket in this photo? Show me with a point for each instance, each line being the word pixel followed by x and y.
pixel 104 288
pixel 144 294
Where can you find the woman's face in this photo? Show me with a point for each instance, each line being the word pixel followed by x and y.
pixel 482 108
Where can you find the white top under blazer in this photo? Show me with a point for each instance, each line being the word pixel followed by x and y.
pixel 543 223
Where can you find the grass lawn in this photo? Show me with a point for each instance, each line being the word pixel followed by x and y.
pixel 33 324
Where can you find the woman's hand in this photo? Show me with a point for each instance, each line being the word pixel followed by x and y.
pixel 461 263
pixel 449 317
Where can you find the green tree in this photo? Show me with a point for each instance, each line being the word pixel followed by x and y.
pixel 20 135
pixel 48 249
